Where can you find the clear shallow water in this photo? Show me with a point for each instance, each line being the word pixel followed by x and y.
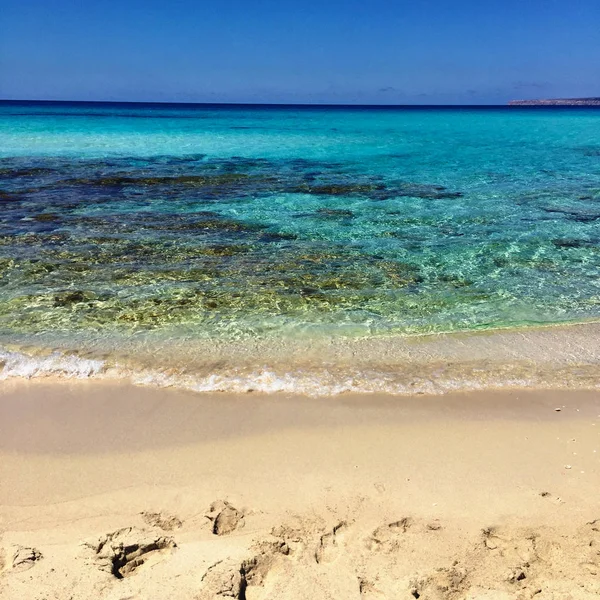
pixel 170 226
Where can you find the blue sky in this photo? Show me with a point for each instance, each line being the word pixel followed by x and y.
pixel 368 51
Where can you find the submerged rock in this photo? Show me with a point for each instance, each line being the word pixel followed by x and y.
pixel 228 225
pixel 183 180
pixel 429 192
pixel 591 151
pixel 337 189
pixel 7 173
pixel 225 250
pixel 333 213
pixel 274 236
pixel 377 191
pixel 74 297
pixel 573 215
pixel 572 243
pixel 46 217
pixel 9 196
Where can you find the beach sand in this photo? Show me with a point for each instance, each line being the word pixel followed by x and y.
pixel 118 492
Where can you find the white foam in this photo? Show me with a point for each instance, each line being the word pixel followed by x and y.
pixel 17 364
pixel 318 382
pixel 264 381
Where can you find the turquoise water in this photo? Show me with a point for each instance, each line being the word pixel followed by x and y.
pixel 183 223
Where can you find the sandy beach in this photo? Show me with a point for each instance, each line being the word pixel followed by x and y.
pixel 111 491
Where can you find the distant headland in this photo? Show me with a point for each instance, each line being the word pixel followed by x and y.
pixel 557 102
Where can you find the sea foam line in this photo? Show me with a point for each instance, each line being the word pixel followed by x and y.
pixel 18 364
pixel 319 382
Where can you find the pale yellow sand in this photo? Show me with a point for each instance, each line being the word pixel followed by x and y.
pixel 485 495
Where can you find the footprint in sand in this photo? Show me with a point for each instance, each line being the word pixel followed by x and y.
pixel 387 537
pixel 224 579
pixel 516 575
pixel 442 584
pixel 162 520
pixel 591 534
pixel 368 590
pixel 512 555
pixel 434 525
pixel 23 559
pixel 518 549
pixel 380 487
pixel 295 537
pixel 231 579
pixel 124 551
pixel 327 549
pixel 590 547
pixel 225 517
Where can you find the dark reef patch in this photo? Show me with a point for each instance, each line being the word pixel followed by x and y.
pixel 573 215
pixel 10 196
pixel 590 151
pixel 46 217
pixel 222 224
pixel 375 190
pixel 573 243
pixel 334 213
pixel 8 173
pixel 202 179
pixel 224 244
pixel 180 180
pixel 427 192
pixel 72 297
pixel 274 236
pixel 337 189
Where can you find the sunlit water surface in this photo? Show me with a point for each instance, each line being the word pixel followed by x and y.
pixel 164 231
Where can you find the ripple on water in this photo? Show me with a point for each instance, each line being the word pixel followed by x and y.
pixel 292 223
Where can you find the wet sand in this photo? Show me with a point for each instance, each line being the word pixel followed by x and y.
pixel 113 491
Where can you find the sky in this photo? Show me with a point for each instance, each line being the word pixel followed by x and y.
pixel 306 51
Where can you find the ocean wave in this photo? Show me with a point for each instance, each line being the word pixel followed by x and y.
pixel 18 364
pixel 309 382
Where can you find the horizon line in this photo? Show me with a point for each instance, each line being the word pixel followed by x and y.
pixel 290 104
pixel 257 104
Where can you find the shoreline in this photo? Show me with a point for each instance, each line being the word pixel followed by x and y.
pixel 483 495
pixel 557 357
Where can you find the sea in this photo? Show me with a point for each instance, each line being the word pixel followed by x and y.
pixel 300 249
